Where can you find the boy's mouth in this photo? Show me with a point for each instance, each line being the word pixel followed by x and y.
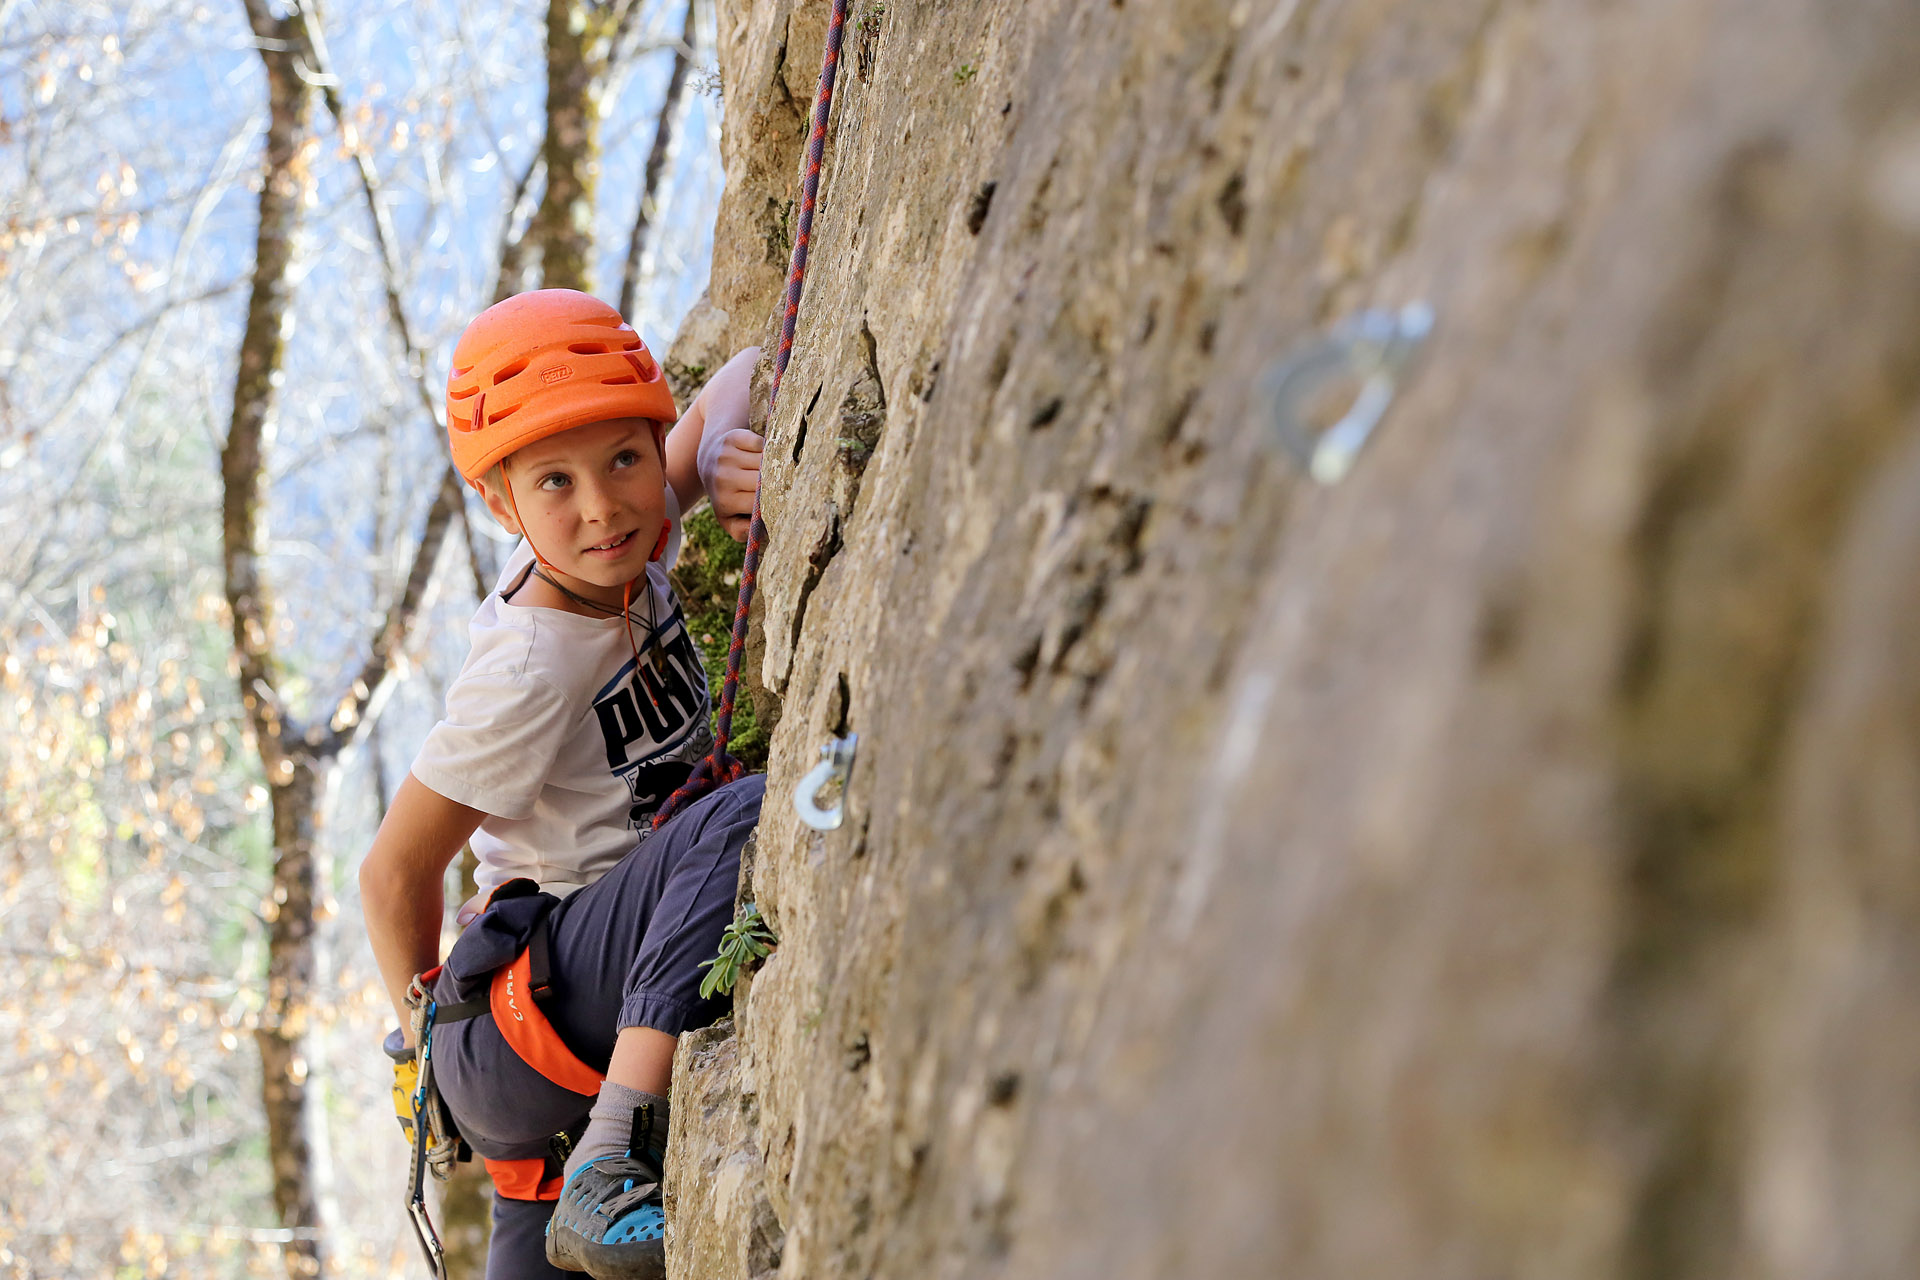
pixel 613 546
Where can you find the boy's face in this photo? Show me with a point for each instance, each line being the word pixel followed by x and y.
pixel 591 500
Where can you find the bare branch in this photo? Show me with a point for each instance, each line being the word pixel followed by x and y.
pixel 148 324
pixel 485 567
pixel 368 692
pixel 512 272
pixel 269 30
pixel 623 14
pixel 315 49
pixel 219 180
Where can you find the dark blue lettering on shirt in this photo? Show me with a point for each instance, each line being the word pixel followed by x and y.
pixel 647 712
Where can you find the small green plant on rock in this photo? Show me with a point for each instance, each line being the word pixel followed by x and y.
pixel 870 21
pixel 965 72
pixel 742 942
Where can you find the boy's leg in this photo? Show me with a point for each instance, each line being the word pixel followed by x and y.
pixel 626 950
pixel 626 955
pixel 518 1247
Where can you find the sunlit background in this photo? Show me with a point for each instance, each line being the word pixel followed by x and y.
pixel 135 851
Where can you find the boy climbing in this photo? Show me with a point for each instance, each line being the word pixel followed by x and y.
pixel 582 705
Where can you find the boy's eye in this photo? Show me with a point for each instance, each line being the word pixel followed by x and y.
pixel 553 481
pixel 625 458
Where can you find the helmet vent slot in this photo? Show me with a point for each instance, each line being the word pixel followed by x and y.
pixel 507 412
pixel 588 348
pixel 623 380
pixel 508 371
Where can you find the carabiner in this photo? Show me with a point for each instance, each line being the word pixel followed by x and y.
pixel 836 764
pixel 430 1245
pixel 1373 346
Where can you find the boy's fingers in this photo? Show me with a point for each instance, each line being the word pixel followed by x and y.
pixel 746 440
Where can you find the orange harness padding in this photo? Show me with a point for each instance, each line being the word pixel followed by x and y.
pixel 524 1179
pixel 512 1000
pixel 528 1033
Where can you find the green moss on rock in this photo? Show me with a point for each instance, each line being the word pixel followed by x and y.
pixel 707 580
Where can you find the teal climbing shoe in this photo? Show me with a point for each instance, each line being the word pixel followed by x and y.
pixel 609 1222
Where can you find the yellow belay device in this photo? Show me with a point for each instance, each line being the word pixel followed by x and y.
pixel 434 1141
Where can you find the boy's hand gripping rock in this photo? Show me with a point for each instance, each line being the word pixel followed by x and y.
pixel 730 473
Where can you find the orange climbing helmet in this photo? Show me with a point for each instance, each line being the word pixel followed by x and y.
pixel 540 363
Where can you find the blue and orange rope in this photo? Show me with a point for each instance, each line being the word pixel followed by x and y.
pixel 720 767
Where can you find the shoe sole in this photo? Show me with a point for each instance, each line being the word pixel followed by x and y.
pixel 635 1260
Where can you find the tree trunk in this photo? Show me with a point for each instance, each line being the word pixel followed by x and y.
pixel 291 773
pixel 243 458
pixel 286 1019
pixel 578 34
pixel 666 137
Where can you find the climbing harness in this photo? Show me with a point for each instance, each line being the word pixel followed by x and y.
pixel 1375 347
pixel 514 996
pixel 836 763
pixel 720 767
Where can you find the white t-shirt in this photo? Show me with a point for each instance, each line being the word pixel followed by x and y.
pixel 549 732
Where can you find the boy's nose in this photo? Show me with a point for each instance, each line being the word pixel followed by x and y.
pixel 597 502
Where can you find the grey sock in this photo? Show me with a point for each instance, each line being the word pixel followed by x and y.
pixel 610 1125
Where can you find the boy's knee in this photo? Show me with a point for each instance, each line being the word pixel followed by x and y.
pixel 740 801
pixel 728 813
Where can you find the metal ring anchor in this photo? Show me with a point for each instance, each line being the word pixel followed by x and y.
pixel 836 764
pixel 1374 346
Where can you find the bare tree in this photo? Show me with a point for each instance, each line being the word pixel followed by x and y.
pixel 296 757
pixel 292 767
pixel 582 38
pixel 666 136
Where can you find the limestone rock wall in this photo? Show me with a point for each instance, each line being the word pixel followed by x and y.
pixel 1501 863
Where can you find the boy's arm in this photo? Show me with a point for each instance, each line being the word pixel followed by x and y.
pixel 711 450
pixel 400 884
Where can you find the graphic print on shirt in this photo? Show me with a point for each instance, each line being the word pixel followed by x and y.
pixel 653 718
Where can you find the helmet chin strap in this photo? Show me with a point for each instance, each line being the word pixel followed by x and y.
pixel 515 508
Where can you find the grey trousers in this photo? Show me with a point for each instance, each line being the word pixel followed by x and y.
pixel 624 952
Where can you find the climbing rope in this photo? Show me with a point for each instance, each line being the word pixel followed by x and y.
pixel 720 768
